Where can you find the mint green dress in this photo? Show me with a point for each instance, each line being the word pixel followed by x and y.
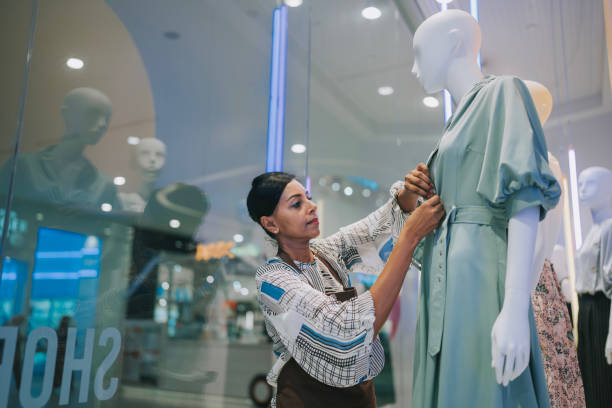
pixel 490 163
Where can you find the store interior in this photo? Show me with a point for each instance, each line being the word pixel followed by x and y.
pixel 141 224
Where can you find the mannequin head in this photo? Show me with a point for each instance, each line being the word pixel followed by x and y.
pixel 87 113
pixel 150 155
pixel 542 99
pixel 595 187
pixel 439 41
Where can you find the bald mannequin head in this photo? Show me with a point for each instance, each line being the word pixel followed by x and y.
pixel 150 155
pixel 87 113
pixel 542 99
pixel 595 187
pixel 446 36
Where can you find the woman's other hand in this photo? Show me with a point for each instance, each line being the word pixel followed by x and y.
pixel 424 219
pixel 416 184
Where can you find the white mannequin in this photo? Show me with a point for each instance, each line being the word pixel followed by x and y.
pixel 550 227
pixel 446 46
pixel 150 157
pixel 595 191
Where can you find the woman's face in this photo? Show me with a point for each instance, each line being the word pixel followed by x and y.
pixel 295 216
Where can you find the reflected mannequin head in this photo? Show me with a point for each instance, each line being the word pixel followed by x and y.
pixel 87 113
pixel 542 99
pixel 281 205
pixel 595 187
pixel 150 156
pixel 441 39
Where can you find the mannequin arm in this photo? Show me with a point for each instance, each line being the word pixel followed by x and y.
pixel 510 340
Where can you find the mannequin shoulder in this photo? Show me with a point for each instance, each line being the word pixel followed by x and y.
pixel 508 82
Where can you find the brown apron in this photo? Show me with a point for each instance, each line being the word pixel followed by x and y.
pixel 297 389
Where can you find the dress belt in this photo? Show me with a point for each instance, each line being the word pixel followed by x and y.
pixel 480 215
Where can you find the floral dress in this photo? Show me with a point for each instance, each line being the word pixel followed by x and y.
pixel 557 342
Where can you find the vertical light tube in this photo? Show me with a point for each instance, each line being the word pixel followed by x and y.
pixel 282 86
pixel 474 13
pixel 574 189
pixel 448 105
pixel 308 185
pixel 273 104
pixel 569 257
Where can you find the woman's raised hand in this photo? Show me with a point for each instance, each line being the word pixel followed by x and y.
pixel 416 184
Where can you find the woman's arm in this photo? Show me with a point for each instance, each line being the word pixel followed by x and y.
pixel 321 332
pixel 388 220
pixel 387 287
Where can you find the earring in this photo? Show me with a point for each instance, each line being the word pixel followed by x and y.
pixel 276 231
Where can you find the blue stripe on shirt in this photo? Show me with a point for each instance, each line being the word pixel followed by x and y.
pixel 273 291
pixel 332 342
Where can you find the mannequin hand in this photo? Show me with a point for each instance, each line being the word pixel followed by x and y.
pixel 609 348
pixel 510 344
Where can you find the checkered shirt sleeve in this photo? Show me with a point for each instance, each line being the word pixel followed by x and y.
pixel 358 244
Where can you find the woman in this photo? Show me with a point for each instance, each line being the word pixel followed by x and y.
pixel 324 335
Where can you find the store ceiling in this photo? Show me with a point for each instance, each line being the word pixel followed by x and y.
pixel 205 93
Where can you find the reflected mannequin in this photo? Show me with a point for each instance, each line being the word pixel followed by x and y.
pixel 594 287
pixel 479 301
pixel 150 157
pixel 61 174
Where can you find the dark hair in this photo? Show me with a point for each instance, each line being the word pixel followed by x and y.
pixel 266 191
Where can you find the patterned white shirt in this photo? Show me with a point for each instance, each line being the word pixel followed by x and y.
pixel 332 341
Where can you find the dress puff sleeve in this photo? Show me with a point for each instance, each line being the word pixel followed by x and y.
pixel 515 174
pixel 605 257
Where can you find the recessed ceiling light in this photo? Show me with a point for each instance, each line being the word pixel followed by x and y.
pixel 335 186
pixel 238 238
pixel 298 148
pixel 348 191
pixel 133 140
pixel 444 1
pixel 106 207
pixel 431 102
pixel 244 291
pixel 119 181
pixel 371 13
pixel 174 223
pixel 210 279
pixel 385 90
pixel 294 3
pixel 75 63
pixel 165 285
pixel 163 302
pixel 366 192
